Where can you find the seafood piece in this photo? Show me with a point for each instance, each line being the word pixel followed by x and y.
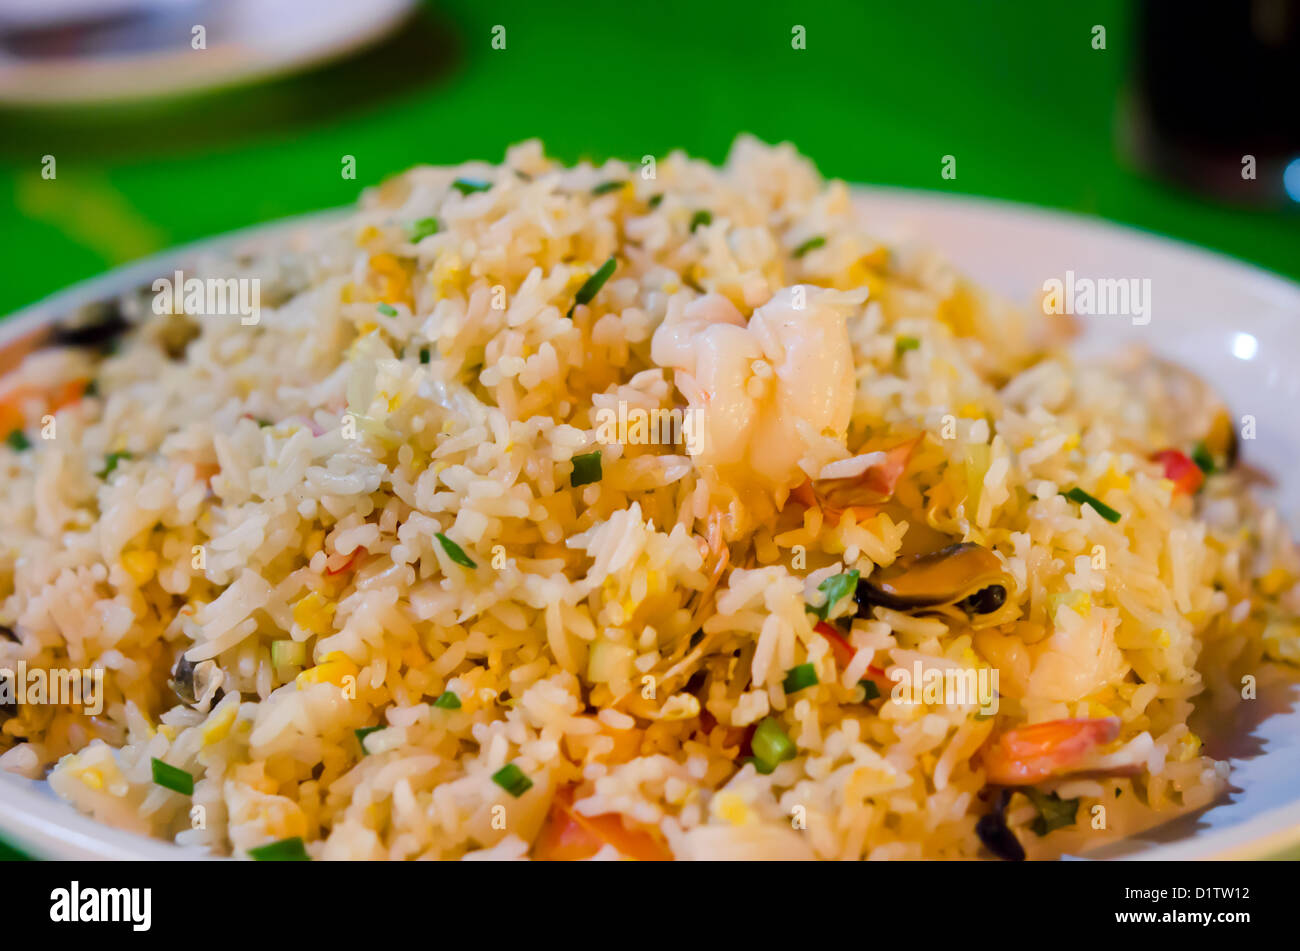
pixel 964 581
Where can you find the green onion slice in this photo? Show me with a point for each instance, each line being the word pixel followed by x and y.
pixel 810 245
pixel 1083 498
pixel 455 552
pixel 593 285
pixel 18 441
pixel 512 779
pixel 172 777
pixel 448 701
pixel 423 228
pixel 467 186
pixel 586 469
pixel 800 678
pixel 770 744
pixel 605 188
pixel 702 217
pixel 836 587
pixel 111 461
pixel 285 850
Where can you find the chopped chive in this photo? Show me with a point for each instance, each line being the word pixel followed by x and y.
pixel 423 228
pixel 285 850
pixel 455 552
pixel 1083 498
pixel 263 423
pixel 770 744
pixel 835 588
pixel 467 186
pixel 593 285
pixel 605 188
pixel 362 733
pixel 512 779
pixel 424 354
pixel 800 678
pixel 869 689
pixel 448 701
pixel 1053 811
pixel 655 200
pixel 701 217
pixel 904 344
pixel 172 777
pixel 810 245
pixel 586 469
pixel 18 441
pixel 1201 456
pixel 388 310
pixel 110 463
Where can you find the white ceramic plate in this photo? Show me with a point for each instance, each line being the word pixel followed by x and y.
pixel 1236 325
pixel 246 40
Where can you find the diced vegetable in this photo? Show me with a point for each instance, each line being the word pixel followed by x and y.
pixel 285 850
pixel 455 552
pixel 836 587
pixel 869 690
pixel 810 245
pixel 570 835
pixel 701 218
pixel 771 746
pixel 1203 459
pixel 424 354
pixel 288 653
pixel 448 701
pixel 586 469
pixel 800 677
pixel 605 188
pixel 388 310
pixel 423 228
pixel 467 186
pixel 1083 498
pixel 512 779
pixel 591 287
pixel 18 441
pixel 904 344
pixel 361 737
pixel 655 201
pixel 1053 811
pixel 172 777
pixel 1184 473
pixel 110 463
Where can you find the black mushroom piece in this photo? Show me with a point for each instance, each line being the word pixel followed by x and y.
pixel 995 834
pixel 962 580
pixel 96 326
pixel 183 679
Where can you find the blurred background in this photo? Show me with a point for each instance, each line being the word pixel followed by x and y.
pixel 156 142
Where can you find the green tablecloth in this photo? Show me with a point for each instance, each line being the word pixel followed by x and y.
pixel 882 92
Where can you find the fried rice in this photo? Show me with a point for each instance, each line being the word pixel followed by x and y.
pixel 611 512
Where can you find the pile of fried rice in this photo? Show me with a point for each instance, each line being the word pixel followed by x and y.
pixel 609 512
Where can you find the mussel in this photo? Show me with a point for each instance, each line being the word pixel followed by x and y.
pixel 964 581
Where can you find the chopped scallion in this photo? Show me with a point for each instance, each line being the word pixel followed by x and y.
pixel 800 678
pixel 388 310
pixel 1201 456
pixel 770 744
pixel 869 689
pixel 172 777
pixel 605 188
pixel 1083 498
pixel 455 552
pixel 810 245
pixel 448 701
pixel 593 285
pixel 904 344
pixel 1053 811
pixel 702 218
pixel 361 737
pixel 467 186
pixel 285 850
pixel 586 469
pixel 836 587
pixel 424 354
pixel 423 228
pixel 288 653
pixel 512 779
pixel 18 441
pixel 110 463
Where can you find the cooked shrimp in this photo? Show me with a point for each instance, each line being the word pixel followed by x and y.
pixel 769 388
pixel 1030 754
